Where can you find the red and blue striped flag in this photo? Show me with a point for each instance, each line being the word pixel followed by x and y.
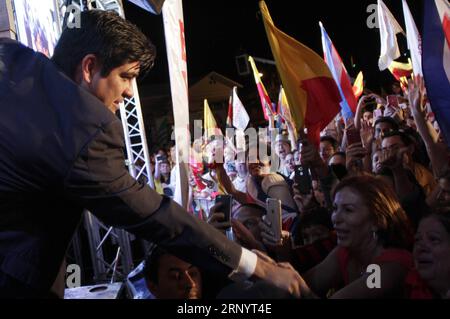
pixel 436 60
pixel 340 75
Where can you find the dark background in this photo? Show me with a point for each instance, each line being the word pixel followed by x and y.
pixel 217 31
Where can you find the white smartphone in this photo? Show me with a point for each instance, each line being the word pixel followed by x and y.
pixel 273 215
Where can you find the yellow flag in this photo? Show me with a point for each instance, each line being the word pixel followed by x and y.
pixel 264 97
pixel 311 91
pixel 358 86
pixel 210 123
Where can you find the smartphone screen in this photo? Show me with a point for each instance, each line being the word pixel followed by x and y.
pixel 273 215
pixel 225 200
pixel 303 179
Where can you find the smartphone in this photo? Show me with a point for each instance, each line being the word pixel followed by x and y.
pixel 353 136
pixel 273 215
pixel 393 101
pixel 226 201
pixel 161 158
pixel 303 179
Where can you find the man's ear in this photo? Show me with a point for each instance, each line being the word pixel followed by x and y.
pixel 88 67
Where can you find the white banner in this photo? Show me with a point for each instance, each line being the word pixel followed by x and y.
pixel 176 56
pixel 389 27
pixel 414 40
pixel 240 115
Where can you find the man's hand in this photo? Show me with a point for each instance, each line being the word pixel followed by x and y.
pixel 378 99
pixel 415 89
pixel 282 275
pixel 282 248
pixel 216 218
pixel 245 237
pixel 305 202
pixel 367 134
pixel 354 155
pixel 309 156
pixel 393 158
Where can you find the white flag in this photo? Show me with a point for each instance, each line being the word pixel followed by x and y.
pixel 176 55
pixel 389 28
pixel 240 115
pixel 414 40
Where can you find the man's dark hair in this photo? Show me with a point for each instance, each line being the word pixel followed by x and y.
pixel 112 39
pixel 330 140
pixel 262 210
pixel 406 139
pixel 387 119
pixel 152 264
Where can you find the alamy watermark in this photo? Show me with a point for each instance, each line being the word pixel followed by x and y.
pixel 73 15
pixel 73 276
pixel 374 279
pixel 372 19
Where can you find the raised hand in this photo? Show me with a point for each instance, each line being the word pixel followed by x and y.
pixel 305 202
pixel 217 219
pixel 367 134
pixel 393 158
pixel 378 99
pixel 415 90
pixel 245 237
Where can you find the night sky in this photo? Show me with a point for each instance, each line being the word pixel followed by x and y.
pixel 218 30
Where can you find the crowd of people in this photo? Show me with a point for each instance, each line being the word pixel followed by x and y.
pixel 378 194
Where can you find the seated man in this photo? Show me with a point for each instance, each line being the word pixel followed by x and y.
pixel 169 277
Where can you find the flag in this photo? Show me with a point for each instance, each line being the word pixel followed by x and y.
pixel 265 100
pixel 389 28
pixel 310 88
pixel 240 115
pixel 283 106
pixel 436 61
pixel 414 40
pixel 285 113
pixel 399 70
pixel 210 123
pixel 177 60
pixel 358 85
pixel 230 111
pixel 340 75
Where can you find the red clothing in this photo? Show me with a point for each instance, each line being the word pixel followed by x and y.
pixel 307 256
pixel 400 256
pixel 416 288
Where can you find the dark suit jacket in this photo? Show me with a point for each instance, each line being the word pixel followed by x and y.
pixel 61 150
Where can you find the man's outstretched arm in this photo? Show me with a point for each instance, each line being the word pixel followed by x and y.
pixel 99 181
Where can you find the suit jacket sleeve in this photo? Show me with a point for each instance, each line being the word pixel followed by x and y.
pixel 99 181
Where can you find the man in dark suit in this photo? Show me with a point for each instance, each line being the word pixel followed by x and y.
pixel 61 150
